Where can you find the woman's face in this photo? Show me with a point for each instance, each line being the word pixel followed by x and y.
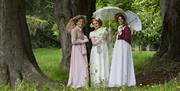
pixel 120 20
pixel 96 24
pixel 80 23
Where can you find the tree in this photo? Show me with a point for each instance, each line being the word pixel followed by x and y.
pixel 170 43
pixel 64 10
pixel 166 63
pixel 42 9
pixel 16 57
pixel 149 13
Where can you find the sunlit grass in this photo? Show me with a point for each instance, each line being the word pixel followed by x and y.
pixel 170 86
pixel 49 59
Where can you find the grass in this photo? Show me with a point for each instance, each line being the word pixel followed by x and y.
pixel 140 57
pixel 49 59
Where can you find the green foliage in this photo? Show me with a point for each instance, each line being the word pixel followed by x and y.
pixel 125 4
pixel 149 13
pixel 41 33
pixel 40 15
pixel 5 88
pixel 55 31
pixel 41 8
pixel 35 23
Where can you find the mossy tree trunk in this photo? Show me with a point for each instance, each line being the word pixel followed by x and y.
pixel 16 57
pixel 166 63
pixel 170 43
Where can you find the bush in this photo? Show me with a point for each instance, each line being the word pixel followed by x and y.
pixel 41 34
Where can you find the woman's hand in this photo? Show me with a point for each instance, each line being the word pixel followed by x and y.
pixel 93 39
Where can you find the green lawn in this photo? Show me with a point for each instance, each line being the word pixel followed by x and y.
pixel 49 59
pixel 141 56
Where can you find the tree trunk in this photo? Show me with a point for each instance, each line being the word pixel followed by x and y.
pixel 170 36
pixel 64 10
pixel 170 43
pixel 16 57
pixel 166 63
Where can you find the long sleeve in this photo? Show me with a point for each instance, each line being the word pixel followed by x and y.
pixel 75 40
pixel 85 39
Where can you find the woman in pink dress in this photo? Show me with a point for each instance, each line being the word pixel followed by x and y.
pixel 122 69
pixel 78 75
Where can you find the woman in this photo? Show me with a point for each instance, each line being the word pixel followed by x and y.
pixel 78 75
pixel 122 69
pixel 99 58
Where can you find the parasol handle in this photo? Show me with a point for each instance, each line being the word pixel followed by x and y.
pixel 109 34
pixel 109 21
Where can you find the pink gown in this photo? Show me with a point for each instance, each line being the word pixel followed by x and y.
pixel 78 75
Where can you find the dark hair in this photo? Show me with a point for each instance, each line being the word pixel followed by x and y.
pixel 96 19
pixel 120 15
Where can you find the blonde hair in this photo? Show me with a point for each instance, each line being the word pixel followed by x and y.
pixel 72 22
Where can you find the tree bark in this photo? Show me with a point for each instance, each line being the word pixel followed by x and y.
pixel 170 43
pixel 16 57
pixel 64 10
pixel 166 63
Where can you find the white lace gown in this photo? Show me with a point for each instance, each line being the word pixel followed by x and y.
pixel 99 59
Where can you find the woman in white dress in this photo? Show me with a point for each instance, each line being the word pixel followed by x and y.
pixel 122 69
pixel 99 58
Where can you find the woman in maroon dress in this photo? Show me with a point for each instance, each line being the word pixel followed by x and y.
pixel 122 69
